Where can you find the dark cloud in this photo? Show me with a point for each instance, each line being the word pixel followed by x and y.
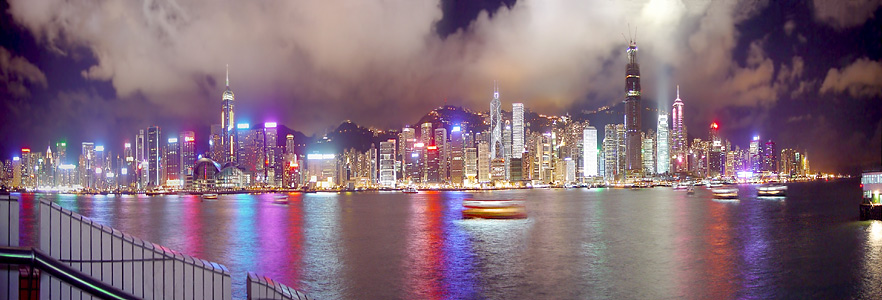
pixel 18 74
pixel 861 79
pixel 844 14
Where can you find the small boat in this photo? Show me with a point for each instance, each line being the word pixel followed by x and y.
pixel 209 196
pixel 410 190
pixel 680 185
pixel 280 199
pixel 725 193
pixel 690 190
pixel 494 209
pixel 772 190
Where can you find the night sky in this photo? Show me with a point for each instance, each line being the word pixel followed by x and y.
pixel 807 74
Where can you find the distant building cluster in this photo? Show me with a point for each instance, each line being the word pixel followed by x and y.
pixel 500 151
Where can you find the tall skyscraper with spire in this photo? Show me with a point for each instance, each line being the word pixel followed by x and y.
pixel 633 143
pixel 678 136
pixel 228 121
pixel 495 124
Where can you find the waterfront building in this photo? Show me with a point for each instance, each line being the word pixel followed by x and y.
pixel 387 163
pixel 16 172
pixel 495 124
pixel 679 146
pixel 228 121
pixel 154 156
pixel 140 164
pixel 470 166
pixel 589 149
pixel 506 153
pixel 172 163
pixel 456 156
pixel 188 155
pixel 405 146
pixel 272 154
pixel 648 147
pixel 432 165
pixel 633 159
pixel 483 162
pixel 215 143
pixel 770 157
pixel 755 155
pixel 415 164
pixel 443 154
pixel 321 170
pixel 251 152
pixel 716 153
pixel 517 130
pixel 663 157
pixel 426 134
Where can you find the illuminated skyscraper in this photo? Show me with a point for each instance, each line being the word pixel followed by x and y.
pixel 426 134
pixel 663 157
pixel 188 153
pixel 678 136
pixel 406 140
pixel 273 159
pixel 770 157
pixel 154 156
pixel 495 123
pixel 754 154
pixel 589 136
pixel 456 156
pixel 387 163
pixel 506 146
pixel 173 162
pixel 517 130
pixel 228 121
pixel 483 162
pixel 216 143
pixel 633 161
pixel 443 154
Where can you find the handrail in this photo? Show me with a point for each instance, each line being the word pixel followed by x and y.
pixel 37 258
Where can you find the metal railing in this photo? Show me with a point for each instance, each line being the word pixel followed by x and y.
pixel 38 259
pixel 260 287
pixel 144 269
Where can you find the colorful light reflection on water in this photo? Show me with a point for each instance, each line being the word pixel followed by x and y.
pixel 599 243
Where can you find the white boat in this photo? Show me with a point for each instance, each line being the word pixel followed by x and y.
pixel 410 190
pixel 494 209
pixel 690 190
pixel 772 190
pixel 209 196
pixel 725 193
pixel 280 199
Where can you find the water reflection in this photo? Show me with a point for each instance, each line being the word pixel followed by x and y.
pixel 871 283
pixel 322 247
pixel 575 244
pixel 425 258
pixel 720 255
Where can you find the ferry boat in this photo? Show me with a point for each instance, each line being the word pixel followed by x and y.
pixel 871 205
pixel 680 185
pixel 494 209
pixel 725 193
pixel 410 190
pixel 209 196
pixel 772 190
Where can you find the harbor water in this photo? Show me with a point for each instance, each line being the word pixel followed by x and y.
pixel 654 243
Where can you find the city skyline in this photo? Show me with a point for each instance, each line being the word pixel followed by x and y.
pixel 803 77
